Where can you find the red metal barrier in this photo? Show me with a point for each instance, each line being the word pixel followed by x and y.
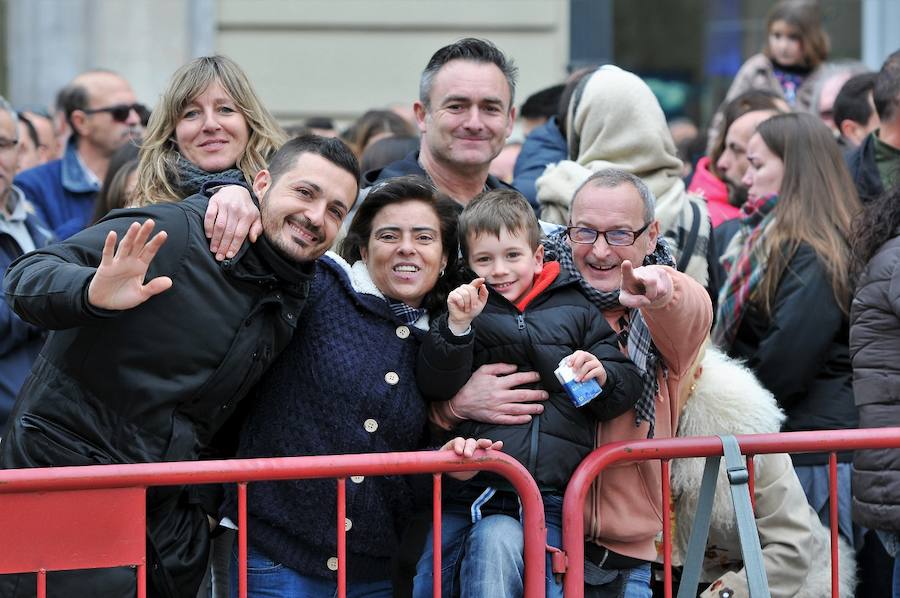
pixel 64 518
pixel 706 446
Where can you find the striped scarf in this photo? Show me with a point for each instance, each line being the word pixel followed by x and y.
pixel 634 333
pixel 745 265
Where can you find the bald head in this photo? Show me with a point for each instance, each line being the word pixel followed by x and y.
pixel 87 102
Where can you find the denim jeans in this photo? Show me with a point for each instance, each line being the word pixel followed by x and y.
pixel 613 583
pixel 485 558
pixel 891 542
pixel 268 579
pixel 814 480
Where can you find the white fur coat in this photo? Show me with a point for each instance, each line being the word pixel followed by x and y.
pixel 728 399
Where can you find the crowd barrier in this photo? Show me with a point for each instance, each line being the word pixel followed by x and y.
pixel 67 518
pixel 571 561
pixel 64 518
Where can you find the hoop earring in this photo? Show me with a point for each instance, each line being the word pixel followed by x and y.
pixel 441 273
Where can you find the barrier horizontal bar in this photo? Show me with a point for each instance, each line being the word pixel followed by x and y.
pixel 820 441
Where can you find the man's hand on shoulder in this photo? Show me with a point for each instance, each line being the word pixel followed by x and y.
pixel 645 286
pixel 119 281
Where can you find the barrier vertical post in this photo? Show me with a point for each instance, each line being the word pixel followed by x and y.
pixel 667 529
pixel 242 539
pixel 342 537
pixel 835 523
pixel 437 540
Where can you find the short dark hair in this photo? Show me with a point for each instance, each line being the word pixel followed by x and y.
pixel 331 148
pixel 886 93
pixel 29 126
pixel 70 98
pixel 750 101
pixel 543 103
pixel 398 190
pixel 495 210
pixel 852 101
pixel 475 50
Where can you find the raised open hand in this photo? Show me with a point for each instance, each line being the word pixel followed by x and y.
pixel 645 286
pixel 465 303
pixel 119 281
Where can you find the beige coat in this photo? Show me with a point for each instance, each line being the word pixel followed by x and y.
pixel 728 399
pixel 617 122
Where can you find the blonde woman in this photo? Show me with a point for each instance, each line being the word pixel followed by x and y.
pixel 209 126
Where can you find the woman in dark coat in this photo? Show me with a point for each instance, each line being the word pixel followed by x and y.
pixel 785 305
pixel 874 347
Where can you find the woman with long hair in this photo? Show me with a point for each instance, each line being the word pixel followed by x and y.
pixel 209 125
pixel 874 346
pixel 785 305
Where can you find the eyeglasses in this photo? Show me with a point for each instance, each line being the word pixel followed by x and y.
pixel 120 112
pixel 617 238
pixel 8 144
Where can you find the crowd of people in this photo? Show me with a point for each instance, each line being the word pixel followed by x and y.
pixel 197 282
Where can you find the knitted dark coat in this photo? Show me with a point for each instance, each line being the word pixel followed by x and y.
pixel 345 384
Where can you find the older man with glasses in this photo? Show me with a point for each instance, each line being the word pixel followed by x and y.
pixel 103 114
pixel 20 231
pixel 613 247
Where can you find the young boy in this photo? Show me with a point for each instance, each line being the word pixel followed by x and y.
pixel 518 310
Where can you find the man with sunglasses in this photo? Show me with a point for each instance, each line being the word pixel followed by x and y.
pixel 103 114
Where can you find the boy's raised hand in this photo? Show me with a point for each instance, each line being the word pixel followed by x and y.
pixel 586 366
pixel 465 303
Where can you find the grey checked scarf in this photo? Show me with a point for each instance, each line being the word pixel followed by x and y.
pixel 191 177
pixel 636 336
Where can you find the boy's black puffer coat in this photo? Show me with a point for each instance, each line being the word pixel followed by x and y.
pixel 554 324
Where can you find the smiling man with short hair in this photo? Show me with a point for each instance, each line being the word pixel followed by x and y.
pixel 155 344
pixel 464 112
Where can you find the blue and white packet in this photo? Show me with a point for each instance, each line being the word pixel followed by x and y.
pixel 581 393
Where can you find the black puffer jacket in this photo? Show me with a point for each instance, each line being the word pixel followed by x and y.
pixel 874 348
pixel 555 323
pixel 153 383
pixel 799 352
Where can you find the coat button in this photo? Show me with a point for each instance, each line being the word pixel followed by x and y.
pixel 347 524
pixel 391 378
pixel 332 563
pixel 357 479
pixel 402 332
pixel 370 425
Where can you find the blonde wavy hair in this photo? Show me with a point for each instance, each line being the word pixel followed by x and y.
pixel 158 171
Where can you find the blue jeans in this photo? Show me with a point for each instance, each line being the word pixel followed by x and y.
pixel 814 480
pixel 891 542
pixel 485 558
pixel 268 579
pixel 616 583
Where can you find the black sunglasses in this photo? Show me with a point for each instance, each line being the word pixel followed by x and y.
pixel 120 112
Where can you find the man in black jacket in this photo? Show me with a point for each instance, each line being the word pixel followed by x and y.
pixel 465 112
pixel 139 371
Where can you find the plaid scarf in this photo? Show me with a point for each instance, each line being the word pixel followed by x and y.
pixel 745 265
pixel 406 314
pixel 634 333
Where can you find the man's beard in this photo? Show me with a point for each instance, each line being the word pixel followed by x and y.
pixel 737 194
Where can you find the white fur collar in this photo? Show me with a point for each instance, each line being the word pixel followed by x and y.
pixel 362 282
pixel 727 399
